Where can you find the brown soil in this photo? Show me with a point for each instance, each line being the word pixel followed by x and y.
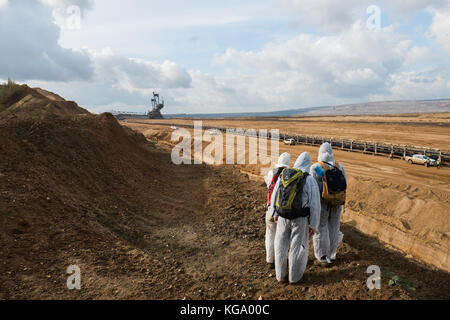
pixel 428 130
pixel 23 102
pixel 407 206
pixel 81 189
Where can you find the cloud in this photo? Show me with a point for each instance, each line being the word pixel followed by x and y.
pixel 325 15
pixel 413 6
pixel 353 64
pixel 332 59
pixel 335 16
pixel 440 27
pixel 129 73
pixel 206 93
pixel 30 50
pixel 420 84
pixel 134 77
pixel 121 83
pixel 67 14
pixel 3 3
pixel 63 4
pixel 307 70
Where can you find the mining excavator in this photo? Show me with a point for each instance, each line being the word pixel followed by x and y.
pixel 157 106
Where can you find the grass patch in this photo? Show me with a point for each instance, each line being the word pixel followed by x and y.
pixel 7 92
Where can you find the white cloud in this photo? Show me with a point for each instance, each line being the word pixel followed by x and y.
pixel 30 51
pixel 62 4
pixel 67 14
pixel 440 27
pixel 29 46
pixel 206 94
pixel 354 63
pixel 134 74
pixel 416 55
pixel 325 14
pixel 3 3
pixel 413 6
pixel 307 70
pixel 421 84
pixel 347 63
pixel 121 83
pixel 334 16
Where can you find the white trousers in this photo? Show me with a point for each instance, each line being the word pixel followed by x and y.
pixel 292 237
pixel 329 236
pixel 271 228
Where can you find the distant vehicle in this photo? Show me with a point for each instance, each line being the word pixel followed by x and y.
pixel 290 142
pixel 421 159
pixel 214 132
pixel 174 127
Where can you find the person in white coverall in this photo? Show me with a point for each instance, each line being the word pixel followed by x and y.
pixel 329 236
pixel 292 236
pixel 271 227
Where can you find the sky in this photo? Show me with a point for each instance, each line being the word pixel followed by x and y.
pixel 210 56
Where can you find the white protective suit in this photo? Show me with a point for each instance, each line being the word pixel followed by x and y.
pixel 271 227
pixel 293 235
pixel 329 236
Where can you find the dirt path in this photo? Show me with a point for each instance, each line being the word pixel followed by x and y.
pixel 405 205
pixel 219 249
pixel 216 249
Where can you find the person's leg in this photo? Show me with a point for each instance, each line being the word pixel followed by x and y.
pixel 282 240
pixel 271 228
pixel 321 238
pixel 334 226
pixel 340 239
pixel 298 253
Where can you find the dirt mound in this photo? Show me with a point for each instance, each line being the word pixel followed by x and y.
pixel 411 218
pixel 22 102
pixel 81 189
pixel 68 185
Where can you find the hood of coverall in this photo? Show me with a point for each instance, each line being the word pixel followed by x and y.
pixel 326 154
pixel 303 162
pixel 284 160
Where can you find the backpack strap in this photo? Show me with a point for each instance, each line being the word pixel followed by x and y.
pixel 278 170
pixel 302 183
pixel 276 173
pixel 324 164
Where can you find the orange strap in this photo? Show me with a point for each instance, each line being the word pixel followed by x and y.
pixel 325 167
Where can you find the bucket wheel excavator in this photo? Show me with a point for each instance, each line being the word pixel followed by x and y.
pixel 157 106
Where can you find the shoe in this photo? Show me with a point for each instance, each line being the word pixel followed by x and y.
pixel 284 281
pixel 323 260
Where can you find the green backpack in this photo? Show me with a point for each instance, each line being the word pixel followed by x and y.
pixel 288 203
